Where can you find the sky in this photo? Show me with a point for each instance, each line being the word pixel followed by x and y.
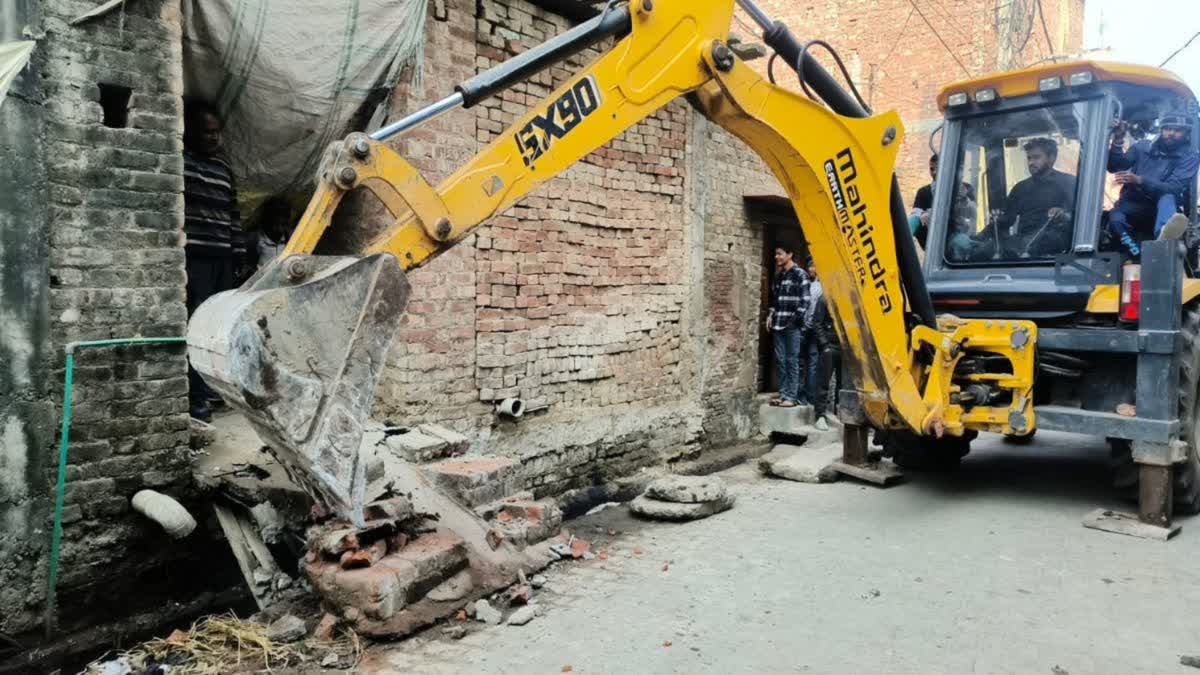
pixel 1146 32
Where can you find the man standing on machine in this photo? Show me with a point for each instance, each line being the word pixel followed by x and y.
pixel 1154 178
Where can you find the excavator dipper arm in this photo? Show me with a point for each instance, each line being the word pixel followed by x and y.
pixel 299 349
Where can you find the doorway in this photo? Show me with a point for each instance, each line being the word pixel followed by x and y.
pixel 780 227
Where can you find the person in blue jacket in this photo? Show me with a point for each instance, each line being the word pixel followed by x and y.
pixel 1153 178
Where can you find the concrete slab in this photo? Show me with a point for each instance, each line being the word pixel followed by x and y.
pixel 1127 524
pixel 801 464
pixel 879 473
pixel 425 443
pixel 655 509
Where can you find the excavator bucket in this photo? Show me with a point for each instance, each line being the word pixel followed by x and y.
pixel 298 350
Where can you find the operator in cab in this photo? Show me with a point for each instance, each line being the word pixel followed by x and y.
pixel 1037 220
pixel 1154 178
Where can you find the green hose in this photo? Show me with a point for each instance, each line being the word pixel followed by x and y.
pixel 51 618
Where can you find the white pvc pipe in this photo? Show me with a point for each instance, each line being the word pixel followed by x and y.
pixel 165 511
pixel 511 407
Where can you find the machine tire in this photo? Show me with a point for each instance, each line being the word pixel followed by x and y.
pixel 1014 439
pixel 1186 490
pixel 910 451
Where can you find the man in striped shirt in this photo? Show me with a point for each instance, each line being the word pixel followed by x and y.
pixel 215 243
pixel 785 318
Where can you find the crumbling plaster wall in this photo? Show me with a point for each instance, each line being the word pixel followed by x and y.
pixel 92 250
pixel 26 414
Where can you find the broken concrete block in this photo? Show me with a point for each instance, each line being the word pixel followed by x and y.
pixel 485 613
pixel 474 480
pixel 802 464
pixel 414 446
pixel 270 523
pixel 396 508
pixel 425 443
pixel 287 628
pixel 660 510
pixel 521 617
pixel 687 489
pixel 456 443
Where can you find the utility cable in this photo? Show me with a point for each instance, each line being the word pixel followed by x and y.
pixel 939 37
pixel 1045 30
pixel 899 36
pixel 1176 52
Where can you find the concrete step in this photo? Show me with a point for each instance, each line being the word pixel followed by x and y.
pixel 773 419
pixel 473 481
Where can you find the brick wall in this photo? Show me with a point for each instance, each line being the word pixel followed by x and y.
pixel 574 300
pixel 431 370
pixel 115 269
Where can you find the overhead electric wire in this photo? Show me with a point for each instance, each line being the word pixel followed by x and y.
pixel 1176 52
pixel 1045 30
pixel 947 17
pixel 899 36
pixel 939 37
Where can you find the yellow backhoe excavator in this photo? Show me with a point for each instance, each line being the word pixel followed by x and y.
pixel 300 347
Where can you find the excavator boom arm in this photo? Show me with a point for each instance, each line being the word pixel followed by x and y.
pixel 837 171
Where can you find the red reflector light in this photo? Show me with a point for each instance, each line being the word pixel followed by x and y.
pixel 959 302
pixel 1131 292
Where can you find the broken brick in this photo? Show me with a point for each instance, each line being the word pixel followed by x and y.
pixel 324 630
pixel 494 539
pixel 579 547
pixel 364 557
pixel 334 542
pixel 518 594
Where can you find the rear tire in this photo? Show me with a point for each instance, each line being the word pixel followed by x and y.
pixel 910 451
pixel 1186 489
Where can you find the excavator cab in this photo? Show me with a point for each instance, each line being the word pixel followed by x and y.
pixel 1019 225
pixel 1019 230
